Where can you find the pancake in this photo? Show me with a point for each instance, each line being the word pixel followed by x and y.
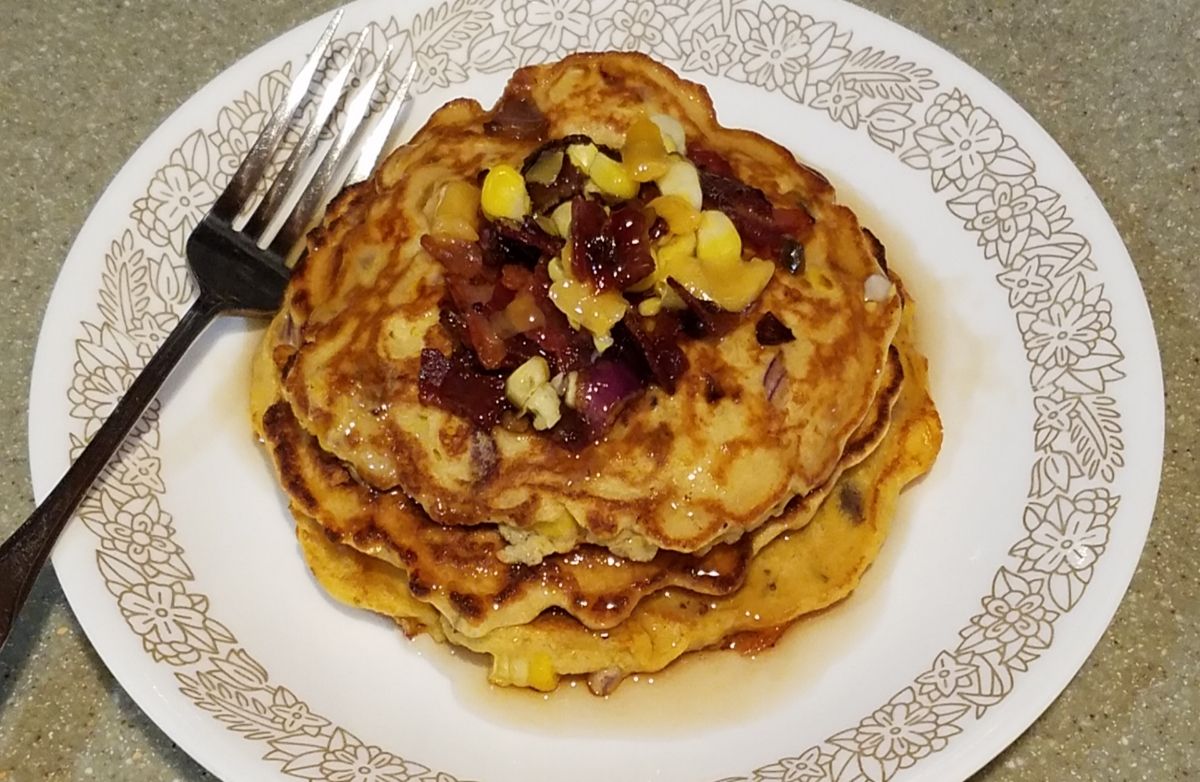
pixel 678 471
pixel 797 573
pixel 459 571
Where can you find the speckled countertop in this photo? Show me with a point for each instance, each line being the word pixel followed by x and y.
pixel 83 83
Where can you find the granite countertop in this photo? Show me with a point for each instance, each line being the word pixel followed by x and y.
pixel 82 84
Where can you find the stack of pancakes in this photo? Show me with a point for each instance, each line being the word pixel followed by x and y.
pixel 758 491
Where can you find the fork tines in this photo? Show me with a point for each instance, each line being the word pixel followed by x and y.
pixel 313 170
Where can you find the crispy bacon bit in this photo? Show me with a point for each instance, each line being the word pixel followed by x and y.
pixel 569 182
pixel 565 348
pixel 516 278
pixel 762 226
pixel 770 331
pixel 456 384
pixel 704 319
pixel 508 242
pixel 708 160
pixel 517 116
pixel 656 342
pixel 593 249
pixel 489 345
pixel 629 228
pixel 460 258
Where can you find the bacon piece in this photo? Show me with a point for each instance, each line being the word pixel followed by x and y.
pixel 703 318
pixel 655 343
pixel 593 250
pixel 509 242
pixel 770 330
pixel 458 385
pixel 517 116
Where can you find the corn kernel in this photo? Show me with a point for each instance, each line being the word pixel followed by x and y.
pixel 675 250
pixel 561 216
pixel 570 393
pixel 682 179
pixel 732 287
pixel 673 136
pixel 504 194
pixel 582 155
pixel 717 241
pixel 525 380
pixel 650 307
pixel 584 308
pixel 546 168
pixel 644 155
pixel 541 673
pixel 681 216
pixel 544 404
pixel 560 527
pixel 611 177
pixel 671 300
pixel 555 270
pixel 602 342
pixel 456 215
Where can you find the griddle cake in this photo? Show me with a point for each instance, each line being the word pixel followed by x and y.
pixel 798 573
pixel 677 470
pixel 587 381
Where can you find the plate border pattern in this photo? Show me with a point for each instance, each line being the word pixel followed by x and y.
pixel 986 180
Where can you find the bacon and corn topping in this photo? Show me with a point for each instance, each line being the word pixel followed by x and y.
pixel 572 282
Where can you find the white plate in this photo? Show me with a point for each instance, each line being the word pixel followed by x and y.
pixel 1006 563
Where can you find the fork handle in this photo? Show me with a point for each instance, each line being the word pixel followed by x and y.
pixel 24 553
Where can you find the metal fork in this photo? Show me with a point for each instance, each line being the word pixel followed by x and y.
pixel 237 269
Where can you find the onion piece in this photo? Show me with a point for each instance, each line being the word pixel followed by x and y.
pixel 775 381
pixel 877 288
pixel 604 389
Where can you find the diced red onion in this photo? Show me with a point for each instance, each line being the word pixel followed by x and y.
pixel 604 389
pixel 775 381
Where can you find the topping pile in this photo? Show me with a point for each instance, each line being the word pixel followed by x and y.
pixel 571 283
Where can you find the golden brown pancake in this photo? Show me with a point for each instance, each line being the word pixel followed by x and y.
pixel 797 573
pixel 458 569
pixel 677 471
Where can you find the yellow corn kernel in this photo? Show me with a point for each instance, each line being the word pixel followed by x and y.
pixel 456 215
pixel 561 216
pixel 717 241
pixel 555 270
pixel 674 139
pixel 536 671
pixel 671 300
pixel 612 178
pixel 504 194
pixel 526 379
pixel 681 216
pixel 644 155
pixel 585 308
pixel 560 527
pixel 545 169
pixel 570 394
pixel 582 155
pixel 650 307
pixel 602 342
pixel 544 404
pixel 732 287
pixel 682 179
pixel 674 250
